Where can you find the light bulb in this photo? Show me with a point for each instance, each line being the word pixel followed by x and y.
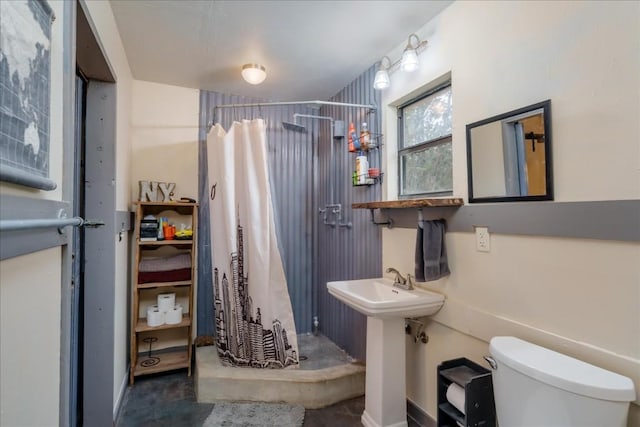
pixel 409 60
pixel 381 80
pixel 254 73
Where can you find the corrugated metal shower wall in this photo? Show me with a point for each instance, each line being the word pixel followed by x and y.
pixel 345 253
pixel 291 156
pixel 301 170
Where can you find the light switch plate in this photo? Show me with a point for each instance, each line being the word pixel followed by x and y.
pixel 483 239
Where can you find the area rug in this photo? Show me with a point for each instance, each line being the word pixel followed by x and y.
pixel 225 414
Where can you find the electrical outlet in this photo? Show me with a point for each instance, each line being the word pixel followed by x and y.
pixel 483 239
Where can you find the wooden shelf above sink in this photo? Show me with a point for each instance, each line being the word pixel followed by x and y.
pixel 410 203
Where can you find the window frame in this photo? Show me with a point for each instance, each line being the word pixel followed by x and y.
pixel 423 146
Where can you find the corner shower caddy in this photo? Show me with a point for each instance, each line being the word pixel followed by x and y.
pixel 331 208
pixel 377 149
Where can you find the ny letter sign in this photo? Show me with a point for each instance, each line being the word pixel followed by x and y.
pixel 149 191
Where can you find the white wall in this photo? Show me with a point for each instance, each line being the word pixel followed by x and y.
pixel 577 296
pixel 164 137
pixel 30 339
pixel 30 290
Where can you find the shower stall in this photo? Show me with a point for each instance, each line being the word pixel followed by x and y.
pixel 320 237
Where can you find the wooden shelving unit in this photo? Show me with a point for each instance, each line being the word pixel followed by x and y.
pixel 142 325
pixel 178 357
pixel 170 360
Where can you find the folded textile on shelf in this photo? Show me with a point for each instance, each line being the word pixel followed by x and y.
pixel 178 275
pixel 174 262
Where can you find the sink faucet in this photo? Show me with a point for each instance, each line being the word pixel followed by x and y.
pixel 399 281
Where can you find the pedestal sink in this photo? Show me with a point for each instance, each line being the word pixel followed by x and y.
pixel 386 307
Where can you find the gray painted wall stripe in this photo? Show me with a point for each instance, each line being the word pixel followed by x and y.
pixel 124 221
pixel 15 243
pixel 603 220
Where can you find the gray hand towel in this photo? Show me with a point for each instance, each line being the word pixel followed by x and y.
pixel 431 255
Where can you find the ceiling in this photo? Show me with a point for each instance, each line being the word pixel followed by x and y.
pixel 311 49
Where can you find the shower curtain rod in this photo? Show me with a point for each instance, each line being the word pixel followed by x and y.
pixel 371 108
pixel 273 104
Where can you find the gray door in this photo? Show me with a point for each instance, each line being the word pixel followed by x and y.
pixel 93 259
pixel 99 255
pixel 96 191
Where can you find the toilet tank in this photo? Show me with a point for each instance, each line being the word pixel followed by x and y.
pixel 535 386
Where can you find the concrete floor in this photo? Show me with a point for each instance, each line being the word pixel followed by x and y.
pixel 169 400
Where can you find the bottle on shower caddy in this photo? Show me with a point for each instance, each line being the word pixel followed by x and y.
pixel 362 169
pixel 357 144
pixel 365 137
pixel 352 133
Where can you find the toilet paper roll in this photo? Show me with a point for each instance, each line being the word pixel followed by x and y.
pixel 155 317
pixel 166 301
pixel 174 316
pixel 455 396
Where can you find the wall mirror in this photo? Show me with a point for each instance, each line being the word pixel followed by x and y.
pixel 509 156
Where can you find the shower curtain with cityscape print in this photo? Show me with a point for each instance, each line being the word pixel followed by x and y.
pixel 253 315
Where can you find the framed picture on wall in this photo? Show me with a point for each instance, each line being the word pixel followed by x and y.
pixel 25 92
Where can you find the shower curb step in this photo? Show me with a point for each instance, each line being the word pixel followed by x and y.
pixel 310 388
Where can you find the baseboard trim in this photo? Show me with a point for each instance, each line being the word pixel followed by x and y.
pixel 419 416
pixel 123 388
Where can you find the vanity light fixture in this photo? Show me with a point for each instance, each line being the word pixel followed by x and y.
pixel 410 55
pixel 409 62
pixel 382 81
pixel 254 73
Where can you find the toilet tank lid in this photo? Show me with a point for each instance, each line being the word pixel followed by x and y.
pixel 561 371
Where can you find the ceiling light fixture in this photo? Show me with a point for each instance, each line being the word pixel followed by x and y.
pixel 410 55
pixel 254 73
pixel 409 62
pixel 382 81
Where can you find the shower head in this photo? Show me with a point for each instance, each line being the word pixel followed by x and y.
pixel 294 127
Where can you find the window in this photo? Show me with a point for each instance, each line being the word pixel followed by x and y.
pixel 425 144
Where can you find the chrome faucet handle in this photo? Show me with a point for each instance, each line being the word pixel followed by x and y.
pixel 398 279
pixel 410 282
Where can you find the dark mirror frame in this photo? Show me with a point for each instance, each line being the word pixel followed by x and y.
pixel 546 108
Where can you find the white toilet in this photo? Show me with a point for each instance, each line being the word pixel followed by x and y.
pixel 536 387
